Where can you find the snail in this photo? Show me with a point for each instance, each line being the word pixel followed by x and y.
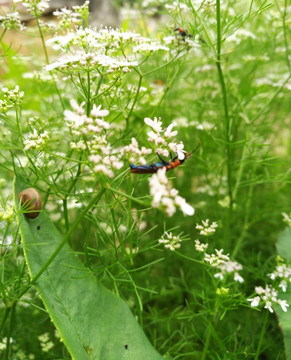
pixel 31 200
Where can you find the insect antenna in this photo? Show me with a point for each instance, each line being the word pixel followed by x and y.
pixel 188 155
pixel 197 147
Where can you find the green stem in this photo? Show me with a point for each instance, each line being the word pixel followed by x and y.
pixel 207 35
pixel 42 37
pixel 127 196
pixel 285 37
pixel 134 101
pixel 3 33
pixel 162 66
pixel 88 94
pixel 261 112
pixel 225 103
pixel 66 217
pixel 189 258
pixel 246 221
pixel 262 335
pixel 227 130
pixel 207 342
pixel 9 333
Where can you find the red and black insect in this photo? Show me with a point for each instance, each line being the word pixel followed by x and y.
pixel 169 165
pixel 184 33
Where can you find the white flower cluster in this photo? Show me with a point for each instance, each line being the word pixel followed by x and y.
pixel 206 229
pixel 217 259
pixel 15 96
pixel 105 164
pixel 200 247
pixel 36 7
pixel 165 196
pixel 89 38
pixel 11 21
pixel 268 296
pixel 101 155
pixel 67 17
pixel 230 267
pixel 136 154
pixel 159 137
pixel 287 218
pixel 85 124
pixel 170 241
pixel 221 262
pixel 282 272
pixel 149 47
pixel 36 141
pixel 80 60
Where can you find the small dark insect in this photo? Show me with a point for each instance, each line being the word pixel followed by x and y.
pixel 184 33
pixel 126 346
pixel 153 168
pixel 38 228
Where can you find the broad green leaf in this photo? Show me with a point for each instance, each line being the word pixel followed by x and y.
pixel 284 250
pixel 93 322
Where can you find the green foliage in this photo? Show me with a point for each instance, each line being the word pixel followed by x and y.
pixel 93 323
pixel 225 80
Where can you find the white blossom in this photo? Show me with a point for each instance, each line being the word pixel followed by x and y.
pixel 206 229
pixel 165 196
pixel 155 124
pixel 170 241
pixel 268 296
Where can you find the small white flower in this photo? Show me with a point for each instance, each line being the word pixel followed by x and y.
pixel 166 196
pixel 155 124
pixel 268 296
pixel 169 133
pixel 206 229
pixel 200 246
pixel 255 301
pixel 97 112
pixel 170 242
pixel 284 305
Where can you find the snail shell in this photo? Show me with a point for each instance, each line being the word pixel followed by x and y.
pixel 31 200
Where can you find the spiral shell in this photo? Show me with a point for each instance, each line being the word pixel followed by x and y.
pixel 31 200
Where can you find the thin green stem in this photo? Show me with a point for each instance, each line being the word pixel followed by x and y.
pixel 262 111
pixel 134 102
pixel 285 37
pixel 88 94
pixel 207 342
pixel 188 258
pixel 42 37
pixel 8 342
pixel 225 104
pixel 263 331
pixel 245 228
pixel 3 33
pixel 207 35
pixel 66 217
pixel 162 66
pixel 128 196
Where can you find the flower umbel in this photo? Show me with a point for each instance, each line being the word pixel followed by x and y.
pixel 206 229
pixel 167 197
pixel 282 272
pixel 268 296
pixel 170 241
